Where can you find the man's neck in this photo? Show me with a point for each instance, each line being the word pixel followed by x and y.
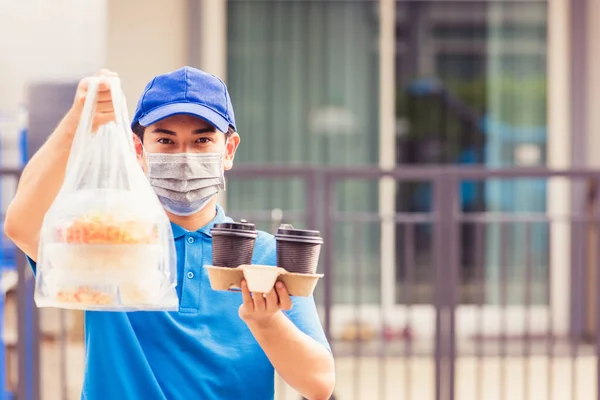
pixel 198 220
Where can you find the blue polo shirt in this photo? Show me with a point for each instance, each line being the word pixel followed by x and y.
pixel 203 351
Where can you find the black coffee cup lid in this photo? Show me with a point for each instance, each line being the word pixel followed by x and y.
pixel 243 225
pixel 287 231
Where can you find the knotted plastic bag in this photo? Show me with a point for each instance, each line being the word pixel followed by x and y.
pixel 106 242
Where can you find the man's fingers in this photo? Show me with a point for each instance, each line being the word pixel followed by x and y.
pixel 259 302
pixel 104 107
pixel 103 118
pixel 104 96
pixel 285 301
pixel 246 296
pixel 104 110
pixel 103 86
pixel 81 91
pixel 272 300
pixel 84 84
pixel 102 93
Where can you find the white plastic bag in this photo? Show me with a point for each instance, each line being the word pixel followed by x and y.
pixel 106 242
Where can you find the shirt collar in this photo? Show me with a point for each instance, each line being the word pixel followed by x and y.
pixel 178 231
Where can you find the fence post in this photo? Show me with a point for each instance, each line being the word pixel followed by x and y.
pixel 29 337
pixel 452 208
pixel 445 242
pixel 28 351
pixel 329 238
pixel 596 221
pixel 312 209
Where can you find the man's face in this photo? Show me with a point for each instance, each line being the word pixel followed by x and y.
pixel 186 134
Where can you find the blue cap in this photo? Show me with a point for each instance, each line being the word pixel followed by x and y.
pixel 186 91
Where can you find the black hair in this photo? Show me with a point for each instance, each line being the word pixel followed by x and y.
pixel 139 131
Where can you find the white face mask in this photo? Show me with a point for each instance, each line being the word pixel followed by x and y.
pixel 186 182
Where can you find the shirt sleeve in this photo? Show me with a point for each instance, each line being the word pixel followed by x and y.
pixel 305 316
pixel 304 310
pixel 32 264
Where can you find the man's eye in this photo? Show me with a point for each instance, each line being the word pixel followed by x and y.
pixel 165 141
pixel 203 140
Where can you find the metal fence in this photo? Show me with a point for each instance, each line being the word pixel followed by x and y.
pixel 504 289
pixel 491 302
pixel 28 333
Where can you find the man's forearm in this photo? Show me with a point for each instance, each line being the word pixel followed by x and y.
pixel 304 364
pixel 39 184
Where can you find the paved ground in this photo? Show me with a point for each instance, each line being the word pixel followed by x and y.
pixel 398 379
pixel 417 381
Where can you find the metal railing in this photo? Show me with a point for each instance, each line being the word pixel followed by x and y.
pixel 28 331
pixel 520 236
pixel 473 291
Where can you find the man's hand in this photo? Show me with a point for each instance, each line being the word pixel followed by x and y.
pixel 301 361
pixel 104 107
pixel 260 309
pixel 43 175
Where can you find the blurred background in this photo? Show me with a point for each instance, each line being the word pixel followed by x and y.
pixel 447 151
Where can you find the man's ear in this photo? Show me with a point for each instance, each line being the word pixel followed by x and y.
pixel 232 144
pixel 139 149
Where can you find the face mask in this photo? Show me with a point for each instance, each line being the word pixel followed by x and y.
pixel 186 182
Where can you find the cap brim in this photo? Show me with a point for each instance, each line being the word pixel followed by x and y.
pixel 197 110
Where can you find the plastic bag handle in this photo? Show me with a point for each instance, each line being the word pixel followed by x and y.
pixel 84 127
pixel 83 134
pixel 121 113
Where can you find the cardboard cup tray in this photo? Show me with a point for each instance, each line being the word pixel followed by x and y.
pixel 261 279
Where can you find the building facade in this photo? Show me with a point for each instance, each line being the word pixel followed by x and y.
pixel 373 83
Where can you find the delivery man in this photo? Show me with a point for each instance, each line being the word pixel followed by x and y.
pixel 219 345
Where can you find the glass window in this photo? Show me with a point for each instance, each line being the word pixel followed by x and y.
pixel 303 77
pixel 472 90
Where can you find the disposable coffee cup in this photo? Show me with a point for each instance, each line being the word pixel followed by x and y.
pixel 298 249
pixel 233 243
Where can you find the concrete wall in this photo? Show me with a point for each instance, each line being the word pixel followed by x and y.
pixel 145 38
pixel 559 151
pixel 212 26
pixel 40 39
pixel 593 47
pixel 593 154
pixel 69 39
pixel 43 40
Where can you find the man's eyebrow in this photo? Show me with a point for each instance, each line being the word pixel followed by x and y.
pixel 205 130
pixel 164 131
pixel 197 131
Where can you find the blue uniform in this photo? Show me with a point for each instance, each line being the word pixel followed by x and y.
pixel 204 351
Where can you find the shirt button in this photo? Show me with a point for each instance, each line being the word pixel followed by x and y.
pixel 190 275
pixel 190 240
